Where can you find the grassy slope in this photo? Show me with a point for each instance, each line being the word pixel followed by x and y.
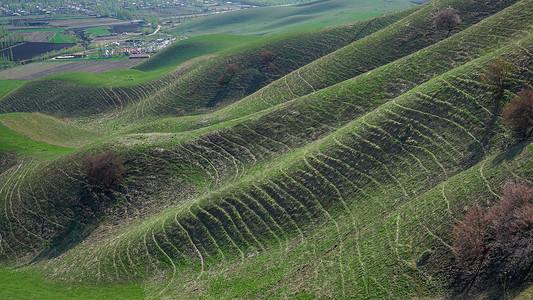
pixel 7 86
pixel 193 85
pixel 48 130
pixel 14 142
pixel 276 20
pixel 408 35
pixel 341 212
pixel 26 284
pixel 191 48
pixel 443 143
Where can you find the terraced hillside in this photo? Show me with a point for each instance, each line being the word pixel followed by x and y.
pixel 340 178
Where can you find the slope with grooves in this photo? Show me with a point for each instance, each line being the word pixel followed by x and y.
pixel 227 163
pixel 442 162
pixel 169 93
pixel 408 35
pixel 310 177
pixel 363 143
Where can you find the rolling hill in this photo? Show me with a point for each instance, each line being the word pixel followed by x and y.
pixel 338 172
pixel 276 20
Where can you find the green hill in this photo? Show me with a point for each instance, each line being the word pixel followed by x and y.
pixel 276 20
pixel 193 86
pixel 340 177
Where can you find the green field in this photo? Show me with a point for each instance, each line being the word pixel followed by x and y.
pixel 98 31
pixel 7 86
pixel 63 38
pixel 335 168
pixel 42 136
pixel 276 20
pixel 26 284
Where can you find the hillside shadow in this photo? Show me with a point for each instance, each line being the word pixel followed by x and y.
pixel 90 212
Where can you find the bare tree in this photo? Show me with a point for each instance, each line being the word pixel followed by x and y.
pixel 447 19
pixel 497 73
pixel 267 56
pixel 104 169
pixel 518 114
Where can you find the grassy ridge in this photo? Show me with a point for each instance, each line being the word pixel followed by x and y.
pixel 21 144
pixel 307 188
pixel 276 20
pixel 7 86
pixel 192 86
pixel 158 65
pixel 338 187
pixel 408 35
pixel 191 48
pixel 49 130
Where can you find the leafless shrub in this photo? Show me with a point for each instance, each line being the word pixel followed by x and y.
pixel 499 243
pixel 268 57
pixel 447 19
pixel 104 169
pixel 469 236
pixel 518 114
pixel 232 69
pixel 497 73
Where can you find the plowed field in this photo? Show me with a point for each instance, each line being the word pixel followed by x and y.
pixel 38 70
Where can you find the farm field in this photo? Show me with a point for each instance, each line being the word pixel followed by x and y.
pixel 375 159
pixel 43 36
pixel 42 69
pixel 82 21
pixel 29 50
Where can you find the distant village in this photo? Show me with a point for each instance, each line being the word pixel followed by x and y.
pixel 118 8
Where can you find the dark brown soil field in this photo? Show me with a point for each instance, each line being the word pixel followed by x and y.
pixel 32 49
pixel 38 36
pixel 38 70
pixel 76 22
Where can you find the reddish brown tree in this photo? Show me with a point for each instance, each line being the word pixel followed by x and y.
pixel 232 69
pixel 509 218
pixel 469 236
pixel 447 19
pixel 518 114
pixel 104 169
pixel 222 80
pixel 497 73
pixel 499 243
pixel 268 57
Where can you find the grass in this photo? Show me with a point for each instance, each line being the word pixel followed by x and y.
pixel 340 179
pixel 22 145
pixel 98 31
pixel 190 48
pixel 27 284
pixel 7 86
pixel 49 130
pixel 201 89
pixel 63 38
pixel 276 20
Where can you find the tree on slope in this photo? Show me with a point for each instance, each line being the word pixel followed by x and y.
pixel 518 114
pixel 447 19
